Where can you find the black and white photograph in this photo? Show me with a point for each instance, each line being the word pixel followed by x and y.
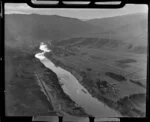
pixel 76 63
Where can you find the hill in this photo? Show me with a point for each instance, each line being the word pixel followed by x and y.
pixel 112 23
pixel 29 30
pixel 128 28
pixel 24 28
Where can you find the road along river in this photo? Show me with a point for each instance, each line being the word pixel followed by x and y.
pixel 75 90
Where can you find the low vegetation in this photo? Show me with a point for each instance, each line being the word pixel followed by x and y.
pixel 126 61
pixel 137 83
pixel 115 76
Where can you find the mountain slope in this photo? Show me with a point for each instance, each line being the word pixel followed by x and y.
pixel 43 27
pixel 111 23
pixel 128 28
pixel 29 30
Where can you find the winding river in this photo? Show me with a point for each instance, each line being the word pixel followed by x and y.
pixel 75 90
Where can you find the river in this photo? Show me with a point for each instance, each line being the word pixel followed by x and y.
pixel 75 90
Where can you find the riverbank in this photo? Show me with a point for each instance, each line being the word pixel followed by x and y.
pixel 50 85
pixel 125 109
pixel 61 102
pixel 24 96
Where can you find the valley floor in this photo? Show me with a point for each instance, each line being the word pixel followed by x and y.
pixel 119 88
pixel 34 89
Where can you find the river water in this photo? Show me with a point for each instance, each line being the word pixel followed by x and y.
pixel 75 90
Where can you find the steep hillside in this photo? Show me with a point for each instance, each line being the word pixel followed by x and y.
pixel 111 23
pixel 128 28
pixel 24 28
pixel 127 32
pixel 23 95
pixel 21 29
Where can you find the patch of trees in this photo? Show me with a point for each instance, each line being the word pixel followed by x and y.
pixel 115 76
pixel 105 87
pixel 129 102
pixel 89 69
pixel 137 83
pixel 125 61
